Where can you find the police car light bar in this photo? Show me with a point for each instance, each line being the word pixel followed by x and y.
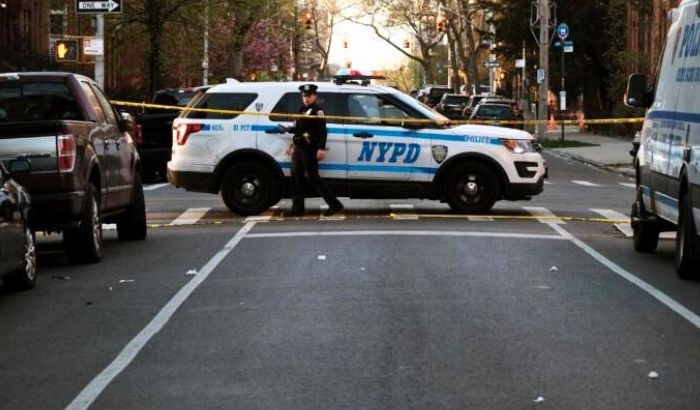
pixel 345 76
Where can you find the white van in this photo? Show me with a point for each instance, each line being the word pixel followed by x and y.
pixel 668 178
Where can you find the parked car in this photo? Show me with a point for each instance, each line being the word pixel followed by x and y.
pixel 496 112
pixel 452 105
pixel 474 100
pixel 85 168
pixel 432 94
pixel 154 131
pixel 17 245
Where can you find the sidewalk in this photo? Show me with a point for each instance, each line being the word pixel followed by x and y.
pixel 610 153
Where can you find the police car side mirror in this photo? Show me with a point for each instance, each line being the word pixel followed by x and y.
pixel 637 95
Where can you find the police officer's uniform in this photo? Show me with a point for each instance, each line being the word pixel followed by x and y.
pixel 310 135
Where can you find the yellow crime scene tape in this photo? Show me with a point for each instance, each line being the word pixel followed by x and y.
pixel 380 119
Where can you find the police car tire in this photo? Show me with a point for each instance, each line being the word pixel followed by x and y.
pixel 645 236
pixel 461 174
pixel 687 243
pixel 248 172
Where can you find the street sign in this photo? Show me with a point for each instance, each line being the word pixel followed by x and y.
pixel 569 49
pixel 98 7
pixel 93 46
pixel 66 51
pixel 540 76
pixel 520 63
pixel 568 45
pixel 491 64
pixel 563 31
pixel 562 100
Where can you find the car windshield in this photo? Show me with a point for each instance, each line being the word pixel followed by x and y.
pixel 422 108
pixel 36 101
pixel 455 100
pixel 493 111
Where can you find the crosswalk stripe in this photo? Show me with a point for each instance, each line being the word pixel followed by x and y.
pixel 543 215
pixel 625 228
pixel 154 187
pixel 190 216
pixel 548 183
pixel 481 219
pixel 584 183
pixel 628 184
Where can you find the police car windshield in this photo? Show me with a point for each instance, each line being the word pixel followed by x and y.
pixel 422 108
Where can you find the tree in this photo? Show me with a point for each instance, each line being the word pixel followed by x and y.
pixel 266 52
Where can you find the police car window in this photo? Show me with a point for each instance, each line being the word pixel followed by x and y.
pixel 290 103
pixel 375 109
pixel 221 101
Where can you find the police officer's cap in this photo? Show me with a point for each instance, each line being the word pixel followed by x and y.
pixel 308 89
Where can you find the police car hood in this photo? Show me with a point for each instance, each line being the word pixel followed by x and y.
pixel 491 131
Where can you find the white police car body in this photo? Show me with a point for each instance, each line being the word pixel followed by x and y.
pixel 243 156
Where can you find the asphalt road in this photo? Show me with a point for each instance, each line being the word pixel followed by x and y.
pixel 398 304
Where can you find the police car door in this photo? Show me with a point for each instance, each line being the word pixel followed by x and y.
pixel 379 148
pixel 335 164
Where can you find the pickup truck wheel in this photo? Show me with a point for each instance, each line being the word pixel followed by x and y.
pixel 131 226
pixel 645 235
pixel 84 244
pixel 471 187
pixel 248 188
pixel 24 278
pixel 687 243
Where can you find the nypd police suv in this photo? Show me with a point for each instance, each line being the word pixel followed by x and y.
pixel 375 149
pixel 668 161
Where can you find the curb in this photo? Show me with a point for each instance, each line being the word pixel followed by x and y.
pixel 622 169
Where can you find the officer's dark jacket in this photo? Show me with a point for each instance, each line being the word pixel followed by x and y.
pixel 310 130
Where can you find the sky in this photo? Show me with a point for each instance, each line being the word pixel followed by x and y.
pixel 365 49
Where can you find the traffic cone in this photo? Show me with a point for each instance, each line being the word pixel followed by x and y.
pixel 552 126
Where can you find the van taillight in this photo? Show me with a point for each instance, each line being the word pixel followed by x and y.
pixel 66 153
pixel 184 131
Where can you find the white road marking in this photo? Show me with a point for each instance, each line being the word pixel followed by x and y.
pixel 584 183
pixel 403 215
pixel 626 228
pixel 154 187
pixel 93 390
pixel 264 217
pixel 511 235
pixel 628 184
pixel 617 269
pixel 322 257
pixel 548 183
pixel 543 215
pixel 190 216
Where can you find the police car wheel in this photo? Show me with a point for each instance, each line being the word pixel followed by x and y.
pixel 687 243
pixel 645 235
pixel 248 188
pixel 471 188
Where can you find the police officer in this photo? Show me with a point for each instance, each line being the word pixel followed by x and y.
pixel 307 149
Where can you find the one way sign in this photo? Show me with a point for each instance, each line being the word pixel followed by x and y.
pixel 98 7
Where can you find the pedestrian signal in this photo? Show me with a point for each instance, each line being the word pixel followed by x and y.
pixel 66 51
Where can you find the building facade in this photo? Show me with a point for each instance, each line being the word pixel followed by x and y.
pixel 647 25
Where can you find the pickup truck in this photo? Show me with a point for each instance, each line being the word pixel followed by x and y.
pixel 84 165
pixel 155 129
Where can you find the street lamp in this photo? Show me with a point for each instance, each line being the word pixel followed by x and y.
pixel 3 4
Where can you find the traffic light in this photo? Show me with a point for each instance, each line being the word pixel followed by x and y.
pixel 307 21
pixel 66 51
pixel 442 24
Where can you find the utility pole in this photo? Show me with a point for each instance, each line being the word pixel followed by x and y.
pixel 205 57
pixel 543 10
pixel 492 55
pixel 99 60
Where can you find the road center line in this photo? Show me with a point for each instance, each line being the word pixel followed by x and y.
pixel 190 216
pixel 511 235
pixel 93 390
pixel 686 313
